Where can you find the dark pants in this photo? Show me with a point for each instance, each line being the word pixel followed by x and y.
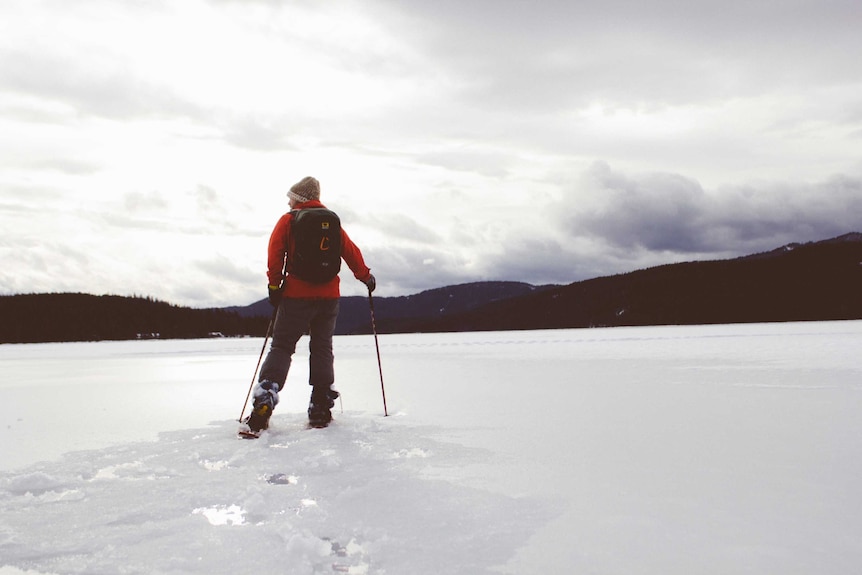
pixel 296 317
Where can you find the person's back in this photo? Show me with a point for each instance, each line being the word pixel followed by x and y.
pixel 305 291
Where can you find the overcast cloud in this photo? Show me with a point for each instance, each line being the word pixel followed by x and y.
pixel 146 148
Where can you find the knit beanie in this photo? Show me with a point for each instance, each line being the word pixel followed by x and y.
pixel 304 190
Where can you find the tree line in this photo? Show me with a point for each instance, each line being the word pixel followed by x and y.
pixel 62 317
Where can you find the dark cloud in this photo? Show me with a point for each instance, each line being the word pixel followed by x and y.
pixel 536 260
pixel 614 222
pixel 669 213
pixel 405 269
pixel 660 212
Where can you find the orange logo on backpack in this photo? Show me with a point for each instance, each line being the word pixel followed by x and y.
pixel 324 243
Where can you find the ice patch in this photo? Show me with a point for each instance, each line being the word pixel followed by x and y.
pixel 9 570
pixel 222 514
pixel 214 465
pixel 33 483
pixel 130 471
pixel 411 453
pixel 57 496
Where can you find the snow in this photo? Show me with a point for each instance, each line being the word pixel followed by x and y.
pixel 713 449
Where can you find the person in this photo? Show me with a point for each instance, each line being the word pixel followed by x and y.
pixel 302 307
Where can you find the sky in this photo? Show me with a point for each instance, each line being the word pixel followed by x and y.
pixel 146 148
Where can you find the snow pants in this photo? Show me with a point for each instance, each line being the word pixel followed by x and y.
pixel 294 318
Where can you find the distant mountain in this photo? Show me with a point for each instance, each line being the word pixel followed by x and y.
pixel 260 308
pixel 354 315
pixel 797 282
pixel 436 304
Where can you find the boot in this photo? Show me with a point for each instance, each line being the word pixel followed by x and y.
pixel 320 406
pixel 265 400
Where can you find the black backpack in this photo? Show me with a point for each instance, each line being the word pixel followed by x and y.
pixel 316 241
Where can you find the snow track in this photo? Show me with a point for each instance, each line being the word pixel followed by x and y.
pixel 354 498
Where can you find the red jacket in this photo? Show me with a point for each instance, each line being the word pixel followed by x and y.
pixel 295 287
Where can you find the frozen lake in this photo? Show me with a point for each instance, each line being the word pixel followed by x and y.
pixel 712 449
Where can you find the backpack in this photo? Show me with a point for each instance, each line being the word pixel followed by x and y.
pixel 316 245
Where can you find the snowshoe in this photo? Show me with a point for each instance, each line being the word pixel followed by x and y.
pixel 245 433
pixel 259 418
pixel 320 407
pixel 265 400
pixel 319 418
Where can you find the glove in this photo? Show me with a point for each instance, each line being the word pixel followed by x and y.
pixel 370 282
pixel 275 295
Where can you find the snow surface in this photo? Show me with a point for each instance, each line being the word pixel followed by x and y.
pixel 715 449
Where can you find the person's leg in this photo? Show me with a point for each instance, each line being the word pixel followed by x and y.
pixel 291 322
pixel 321 329
pixel 321 362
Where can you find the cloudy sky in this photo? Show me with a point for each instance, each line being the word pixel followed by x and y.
pixel 146 147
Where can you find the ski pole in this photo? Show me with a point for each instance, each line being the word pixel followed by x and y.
pixel 377 346
pixel 253 377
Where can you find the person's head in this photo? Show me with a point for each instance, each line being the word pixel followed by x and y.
pixel 304 190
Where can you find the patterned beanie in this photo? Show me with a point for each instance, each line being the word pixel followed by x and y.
pixel 305 190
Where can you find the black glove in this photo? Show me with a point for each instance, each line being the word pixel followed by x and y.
pixel 371 283
pixel 275 295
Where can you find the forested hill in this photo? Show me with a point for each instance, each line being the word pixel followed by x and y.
pixel 82 317
pixel 35 318
pixel 797 282
pixel 813 281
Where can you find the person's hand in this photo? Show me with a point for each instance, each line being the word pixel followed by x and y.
pixel 370 282
pixel 275 295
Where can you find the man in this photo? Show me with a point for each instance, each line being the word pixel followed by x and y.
pixel 306 303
